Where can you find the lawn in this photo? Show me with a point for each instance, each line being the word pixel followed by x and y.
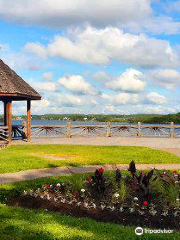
pixel 17 158
pixel 19 224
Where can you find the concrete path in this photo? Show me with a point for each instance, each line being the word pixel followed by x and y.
pixel 112 141
pixel 175 151
pixel 59 171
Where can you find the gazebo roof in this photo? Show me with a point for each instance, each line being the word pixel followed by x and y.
pixel 14 87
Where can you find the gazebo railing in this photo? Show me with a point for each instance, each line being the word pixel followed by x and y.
pixel 18 131
pixel 4 134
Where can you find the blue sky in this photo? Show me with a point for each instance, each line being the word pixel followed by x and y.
pixel 95 56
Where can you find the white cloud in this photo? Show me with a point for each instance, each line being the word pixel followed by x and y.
pixel 36 48
pixel 156 98
pixel 93 103
pixel 58 13
pixel 77 84
pixel 46 86
pixel 134 15
pixel 162 25
pixel 121 98
pixel 67 100
pixel 100 46
pixel 164 78
pixel 101 76
pixel 158 110
pixel 44 103
pixel 21 61
pixel 131 80
pixel 155 24
pixel 48 76
pixel 172 6
pixel 110 109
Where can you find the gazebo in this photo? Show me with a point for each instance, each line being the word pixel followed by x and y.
pixel 14 88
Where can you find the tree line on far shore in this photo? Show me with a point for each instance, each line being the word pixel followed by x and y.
pixel 144 118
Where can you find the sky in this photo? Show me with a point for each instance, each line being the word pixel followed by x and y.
pixel 94 56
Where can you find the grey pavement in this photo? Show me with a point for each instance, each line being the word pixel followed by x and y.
pixel 59 171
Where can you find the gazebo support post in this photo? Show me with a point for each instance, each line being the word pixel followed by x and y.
pixel 28 120
pixel 5 113
pixel 8 117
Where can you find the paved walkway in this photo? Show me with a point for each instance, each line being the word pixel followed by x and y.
pixel 51 172
pixel 112 141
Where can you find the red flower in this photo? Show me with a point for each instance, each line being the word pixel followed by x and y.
pixel 145 203
pixel 75 194
pixel 175 172
pixel 47 186
pixel 89 178
pixel 101 170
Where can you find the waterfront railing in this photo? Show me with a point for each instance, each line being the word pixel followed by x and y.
pixel 71 130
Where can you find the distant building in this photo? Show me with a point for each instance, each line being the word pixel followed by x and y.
pixel 19 118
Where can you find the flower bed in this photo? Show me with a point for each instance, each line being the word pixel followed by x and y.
pixel 143 199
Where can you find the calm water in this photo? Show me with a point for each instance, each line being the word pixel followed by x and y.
pixel 58 122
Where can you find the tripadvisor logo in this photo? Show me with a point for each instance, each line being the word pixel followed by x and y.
pixel 138 231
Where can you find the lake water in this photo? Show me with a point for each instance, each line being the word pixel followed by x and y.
pixel 58 122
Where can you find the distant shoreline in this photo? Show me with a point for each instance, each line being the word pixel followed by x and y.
pixel 134 118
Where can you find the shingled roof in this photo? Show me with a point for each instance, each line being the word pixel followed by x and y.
pixel 13 86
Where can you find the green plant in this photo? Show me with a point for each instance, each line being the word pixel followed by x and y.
pixel 165 192
pixel 78 183
pixel 123 191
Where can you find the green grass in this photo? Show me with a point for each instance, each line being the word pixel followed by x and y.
pixel 24 224
pixel 17 158
pixel 20 224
